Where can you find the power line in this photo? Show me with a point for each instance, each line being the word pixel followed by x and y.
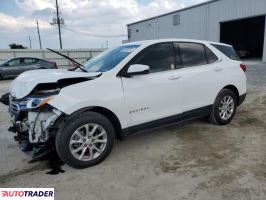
pixel 91 34
pixel 59 21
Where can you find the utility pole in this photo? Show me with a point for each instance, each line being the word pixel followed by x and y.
pixel 39 34
pixel 30 41
pixel 58 23
pixel 107 44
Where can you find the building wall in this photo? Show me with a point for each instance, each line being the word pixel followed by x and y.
pixel 192 25
pixel 264 48
pixel 226 10
pixel 80 55
pixel 201 22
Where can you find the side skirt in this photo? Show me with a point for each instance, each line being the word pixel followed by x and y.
pixel 168 121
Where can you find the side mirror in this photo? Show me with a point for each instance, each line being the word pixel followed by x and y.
pixel 6 64
pixel 137 69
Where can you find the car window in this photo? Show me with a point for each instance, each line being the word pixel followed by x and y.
pixel 29 60
pixel 159 57
pixel 210 56
pixel 227 50
pixel 15 61
pixel 192 54
pixel 38 60
pixel 109 59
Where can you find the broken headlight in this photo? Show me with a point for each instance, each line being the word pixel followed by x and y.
pixel 38 102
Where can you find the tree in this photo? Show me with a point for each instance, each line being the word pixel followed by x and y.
pixel 17 46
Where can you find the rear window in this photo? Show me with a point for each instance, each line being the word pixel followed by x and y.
pixel 227 50
pixel 29 60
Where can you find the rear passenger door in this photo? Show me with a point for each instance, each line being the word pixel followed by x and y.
pixel 29 64
pixel 201 75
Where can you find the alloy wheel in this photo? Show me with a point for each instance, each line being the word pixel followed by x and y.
pixel 88 142
pixel 226 107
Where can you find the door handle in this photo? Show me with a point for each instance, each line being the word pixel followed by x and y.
pixel 174 77
pixel 218 69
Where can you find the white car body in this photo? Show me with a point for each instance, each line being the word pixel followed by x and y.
pixel 136 102
pixel 155 91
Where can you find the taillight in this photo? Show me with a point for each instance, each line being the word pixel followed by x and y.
pixel 243 67
pixel 53 63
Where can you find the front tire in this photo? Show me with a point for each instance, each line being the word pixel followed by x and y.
pixel 224 108
pixel 85 140
pixel 1 76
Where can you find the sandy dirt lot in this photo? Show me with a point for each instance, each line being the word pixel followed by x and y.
pixel 193 160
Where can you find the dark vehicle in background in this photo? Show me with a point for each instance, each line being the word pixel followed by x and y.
pixel 15 66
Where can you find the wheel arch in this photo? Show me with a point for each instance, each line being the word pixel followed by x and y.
pixel 101 110
pixel 235 90
pixel 112 117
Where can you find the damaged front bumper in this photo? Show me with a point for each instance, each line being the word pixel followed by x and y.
pixel 32 124
pixel 37 125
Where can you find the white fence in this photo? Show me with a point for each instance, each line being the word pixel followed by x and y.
pixel 80 55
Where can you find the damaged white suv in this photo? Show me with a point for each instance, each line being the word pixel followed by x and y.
pixel 128 89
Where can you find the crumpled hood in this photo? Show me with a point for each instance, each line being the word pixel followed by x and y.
pixel 27 81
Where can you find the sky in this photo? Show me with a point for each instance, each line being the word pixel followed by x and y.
pixel 84 19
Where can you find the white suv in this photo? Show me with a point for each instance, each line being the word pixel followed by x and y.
pixel 128 89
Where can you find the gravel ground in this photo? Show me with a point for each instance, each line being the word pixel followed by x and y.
pixel 193 160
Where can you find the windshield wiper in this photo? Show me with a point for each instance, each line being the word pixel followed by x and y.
pixel 78 65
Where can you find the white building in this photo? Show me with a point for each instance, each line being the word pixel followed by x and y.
pixel 238 22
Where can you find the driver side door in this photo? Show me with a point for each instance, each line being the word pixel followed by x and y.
pixel 156 95
pixel 12 67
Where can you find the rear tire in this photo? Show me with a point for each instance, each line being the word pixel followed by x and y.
pixel 224 108
pixel 85 140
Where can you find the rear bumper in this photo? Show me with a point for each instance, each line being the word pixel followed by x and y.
pixel 241 99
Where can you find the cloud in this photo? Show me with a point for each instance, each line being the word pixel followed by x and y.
pixel 30 6
pixel 8 22
pixel 107 16
pixel 103 17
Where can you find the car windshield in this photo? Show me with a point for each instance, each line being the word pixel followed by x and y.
pixel 109 59
pixel 4 61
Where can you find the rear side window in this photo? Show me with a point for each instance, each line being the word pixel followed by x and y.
pixel 192 54
pixel 29 60
pixel 39 60
pixel 211 57
pixel 227 50
pixel 159 57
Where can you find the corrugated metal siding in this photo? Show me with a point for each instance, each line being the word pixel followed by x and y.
pixel 264 51
pixel 226 10
pixel 80 55
pixel 145 31
pixel 197 16
pixel 201 22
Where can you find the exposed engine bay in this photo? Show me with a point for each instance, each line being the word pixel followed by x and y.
pixel 33 119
